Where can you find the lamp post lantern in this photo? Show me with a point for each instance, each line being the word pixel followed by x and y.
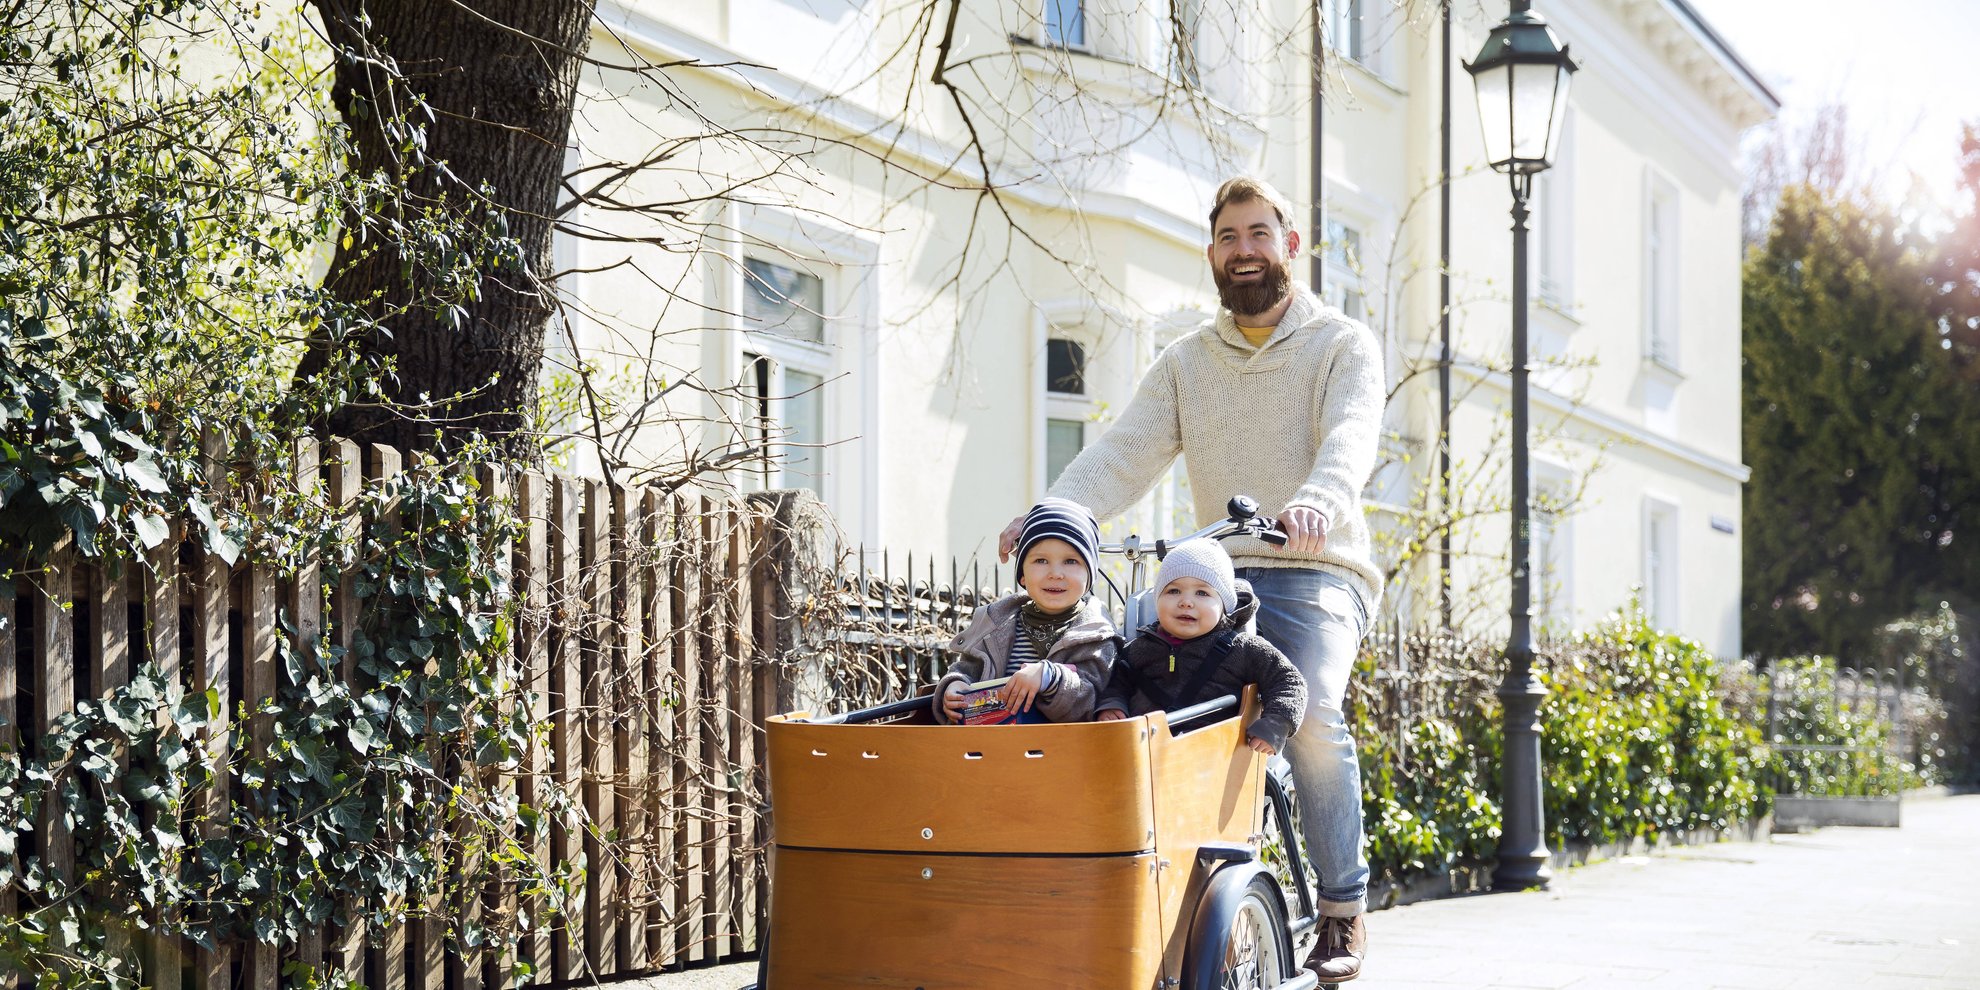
pixel 1522 78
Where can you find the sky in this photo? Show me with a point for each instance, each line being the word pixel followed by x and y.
pixel 1908 70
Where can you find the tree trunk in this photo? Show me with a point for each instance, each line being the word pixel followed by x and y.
pixel 499 77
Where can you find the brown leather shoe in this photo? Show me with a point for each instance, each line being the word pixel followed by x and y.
pixel 1336 957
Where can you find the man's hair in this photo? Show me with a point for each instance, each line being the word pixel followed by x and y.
pixel 1245 189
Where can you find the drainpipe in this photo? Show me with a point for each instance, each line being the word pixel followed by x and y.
pixel 1444 335
pixel 1316 256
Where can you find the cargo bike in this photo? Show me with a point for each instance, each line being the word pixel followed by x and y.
pixel 1150 852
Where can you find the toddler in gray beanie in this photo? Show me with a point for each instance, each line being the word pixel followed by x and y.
pixel 1197 651
pixel 1206 561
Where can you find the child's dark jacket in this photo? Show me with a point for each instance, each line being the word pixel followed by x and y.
pixel 1251 660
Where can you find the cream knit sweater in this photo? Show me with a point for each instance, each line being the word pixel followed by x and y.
pixel 1296 421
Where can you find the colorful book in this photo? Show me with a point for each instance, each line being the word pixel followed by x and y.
pixel 981 706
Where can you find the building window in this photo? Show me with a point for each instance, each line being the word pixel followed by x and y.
pixel 1343 250
pixel 1552 547
pixel 1067 406
pixel 1554 190
pixel 1065 367
pixel 1185 27
pixel 783 300
pixel 1064 439
pixel 1344 27
pixel 788 425
pixel 1065 23
pixel 786 367
pixel 1660 563
pixel 1660 275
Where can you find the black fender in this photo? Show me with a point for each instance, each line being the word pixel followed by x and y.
pixel 1216 909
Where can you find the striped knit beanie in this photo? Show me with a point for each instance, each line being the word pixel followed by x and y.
pixel 1060 519
pixel 1206 561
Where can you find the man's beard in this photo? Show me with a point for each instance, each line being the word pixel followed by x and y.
pixel 1273 284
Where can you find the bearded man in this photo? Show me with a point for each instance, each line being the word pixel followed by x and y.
pixel 1278 397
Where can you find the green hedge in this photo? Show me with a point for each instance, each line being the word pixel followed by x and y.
pixel 1642 734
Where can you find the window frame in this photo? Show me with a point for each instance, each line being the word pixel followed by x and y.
pixel 848 359
pixel 1345 276
pixel 770 393
pixel 785 354
pixel 1662 561
pixel 1062 407
pixel 1553 600
pixel 1045 26
pixel 1349 17
pixel 1556 194
pixel 1663 227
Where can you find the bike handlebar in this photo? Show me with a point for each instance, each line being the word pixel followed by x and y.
pixel 1243 521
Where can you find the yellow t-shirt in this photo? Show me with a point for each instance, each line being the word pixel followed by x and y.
pixel 1255 336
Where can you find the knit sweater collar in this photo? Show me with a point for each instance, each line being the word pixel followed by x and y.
pixel 1305 309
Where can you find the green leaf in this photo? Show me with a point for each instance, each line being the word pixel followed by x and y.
pixel 151 529
pixel 365 736
pixel 144 474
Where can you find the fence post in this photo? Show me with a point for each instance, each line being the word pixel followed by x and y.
pixel 302 597
pixel 345 472
pixel 213 969
pixel 55 681
pixel 10 690
pixel 390 957
pixel 532 566
pixel 747 722
pixel 601 905
pixel 657 628
pixel 566 729
pixel 629 731
pixel 788 564
pixel 689 906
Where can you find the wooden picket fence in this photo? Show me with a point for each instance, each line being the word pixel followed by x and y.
pixel 637 629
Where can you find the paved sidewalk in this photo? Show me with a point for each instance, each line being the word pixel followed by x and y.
pixel 1841 908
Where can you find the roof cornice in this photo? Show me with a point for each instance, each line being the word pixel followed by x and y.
pixel 1681 37
pixel 1724 50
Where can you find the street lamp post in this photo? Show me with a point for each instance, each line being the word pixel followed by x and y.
pixel 1522 78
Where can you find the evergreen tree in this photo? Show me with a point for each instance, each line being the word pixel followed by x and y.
pixel 1860 428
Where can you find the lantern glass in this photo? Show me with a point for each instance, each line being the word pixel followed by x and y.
pixel 1495 109
pixel 1532 113
pixel 1557 118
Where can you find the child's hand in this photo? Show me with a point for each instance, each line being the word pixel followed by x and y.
pixel 1018 694
pixel 1110 715
pixel 952 701
pixel 1261 745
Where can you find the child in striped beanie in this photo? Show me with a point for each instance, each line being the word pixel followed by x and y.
pixel 1050 638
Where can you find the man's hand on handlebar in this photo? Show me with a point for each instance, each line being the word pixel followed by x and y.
pixel 1305 528
pixel 1260 745
pixel 1008 539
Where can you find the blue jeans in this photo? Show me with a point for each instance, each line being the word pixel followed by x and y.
pixel 1316 619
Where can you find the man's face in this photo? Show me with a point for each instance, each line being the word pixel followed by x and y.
pixel 1248 253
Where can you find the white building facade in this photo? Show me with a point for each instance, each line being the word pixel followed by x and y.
pixel 927 354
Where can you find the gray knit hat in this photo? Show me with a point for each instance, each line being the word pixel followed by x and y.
pixel 1060 519
pixel 1206 561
